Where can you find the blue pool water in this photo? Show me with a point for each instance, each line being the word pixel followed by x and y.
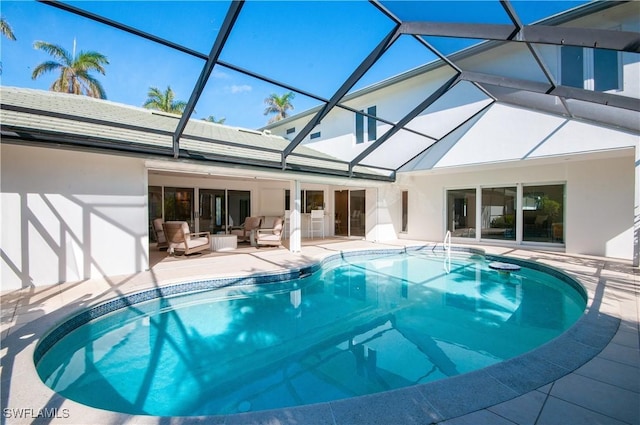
pixel 358 326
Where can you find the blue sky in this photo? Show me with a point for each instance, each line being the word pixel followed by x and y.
pixel 313 46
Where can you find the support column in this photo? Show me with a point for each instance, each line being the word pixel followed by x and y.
pixel 295 231
pixel 636 210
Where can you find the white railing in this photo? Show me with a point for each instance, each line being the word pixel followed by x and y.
pixel 446 245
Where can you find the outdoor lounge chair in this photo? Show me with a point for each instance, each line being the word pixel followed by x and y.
pixel 271 237
pixel 244 231
pixel 180 239
pixel 159 232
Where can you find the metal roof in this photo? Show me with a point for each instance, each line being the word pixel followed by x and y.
pixel 38 117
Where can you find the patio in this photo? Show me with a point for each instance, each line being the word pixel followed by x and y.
pixel 590 374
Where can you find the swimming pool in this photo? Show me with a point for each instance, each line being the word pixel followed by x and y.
pixel 358 325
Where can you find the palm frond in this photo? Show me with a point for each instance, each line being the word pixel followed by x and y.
pixel 92 87
pixel 45 67
pixel 6 30
pixel 54 50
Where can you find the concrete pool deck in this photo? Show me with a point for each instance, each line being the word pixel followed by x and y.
pixel 588 375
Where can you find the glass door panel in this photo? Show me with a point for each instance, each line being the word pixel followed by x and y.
pixel 178 205
pixel 213 208
pixel 543 213
pixel 461 213
pixel 499 213
pixel 313 200
pixel 155 209
pixel 357 212
pixel 341 204
pixel 239 206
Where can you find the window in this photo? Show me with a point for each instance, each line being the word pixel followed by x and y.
pixel 605 70
pixel 461 213
pixel 291 130
pixel 543 213
pixel 313 200
pixel 178 204
pixel 572 66
pixel 239 202
pixel 405 211
pixel 314 135
pixel 591 69
pixel 499 213
pixel 310 199
pixel 212 216
pixel 371 133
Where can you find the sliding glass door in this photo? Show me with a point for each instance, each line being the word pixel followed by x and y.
pixel 239 206
pixel 541 211
pixel 357 223
pixel 178 205
pixel 499 213
pixel 349 212
pixel 341 205
pixel 461 213
pixel 155 209
pixel 213 209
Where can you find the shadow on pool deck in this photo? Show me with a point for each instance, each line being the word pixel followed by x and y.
pixel 590 374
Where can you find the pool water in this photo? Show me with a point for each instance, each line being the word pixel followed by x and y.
pixel 358 326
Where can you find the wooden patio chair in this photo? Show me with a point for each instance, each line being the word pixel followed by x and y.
pixel 158 231
pixel 244 231
pixel 179 238
pixel 272 237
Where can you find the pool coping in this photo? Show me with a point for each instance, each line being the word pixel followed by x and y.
pixel 432 402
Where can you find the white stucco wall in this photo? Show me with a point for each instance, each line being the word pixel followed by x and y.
pixel 69 216
pixel 600 211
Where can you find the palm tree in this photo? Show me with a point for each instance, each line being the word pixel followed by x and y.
pixel 278 105
pixel 213 119
pixel 164 101
pixel 74 70
pixel 6 29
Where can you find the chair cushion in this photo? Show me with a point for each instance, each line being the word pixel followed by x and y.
pixel 277 226
pixel 196 242
pixel 185 230
pixel 269 238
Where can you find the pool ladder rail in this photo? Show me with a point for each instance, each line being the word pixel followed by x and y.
pixel 446 245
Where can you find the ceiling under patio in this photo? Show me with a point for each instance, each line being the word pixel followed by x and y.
pixel 326 53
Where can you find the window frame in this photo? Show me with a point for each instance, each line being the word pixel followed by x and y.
pixel 475 233
pixel 404 211
pixel 368 133
pixel 304 199
pixel 589 67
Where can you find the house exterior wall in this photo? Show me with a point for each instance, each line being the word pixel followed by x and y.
pixel 501 145
pixel 599 197
pixel 68 216
pixel 267 196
